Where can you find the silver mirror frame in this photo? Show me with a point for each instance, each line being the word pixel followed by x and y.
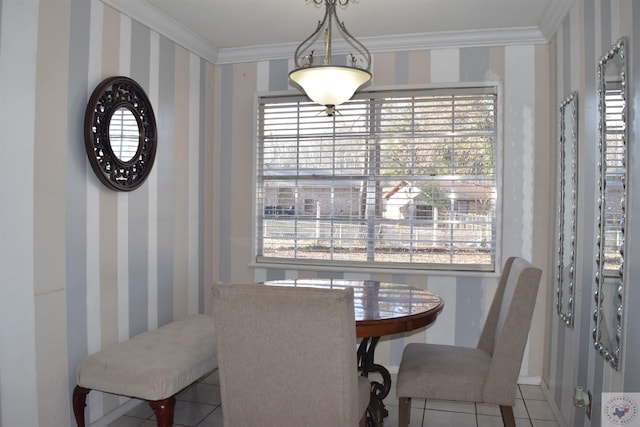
pixel 568 199
pixel 608 346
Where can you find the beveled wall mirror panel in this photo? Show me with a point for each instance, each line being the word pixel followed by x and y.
pixel 120 133
pixel 612 182
pixel 568 198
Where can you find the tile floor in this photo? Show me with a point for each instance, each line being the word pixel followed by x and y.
pixel 200 406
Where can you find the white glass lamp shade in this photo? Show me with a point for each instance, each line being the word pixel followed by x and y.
pixel 330 85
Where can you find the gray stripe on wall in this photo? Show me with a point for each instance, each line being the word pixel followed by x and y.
pixel 279 74
pixel 588 116
pixel 397 344
pixel 605 22
pixel 201 182
pixel 0 18
pixel 139 201
pixel 598 371
pixel 330 275
pixel 560 362
pixel 398 278
pixel 469 291
pixel 226 150
pixel 474 64
pixel 275 274
pixel 402 67
pixel 566 57
pixel 164 162
pixel 76 179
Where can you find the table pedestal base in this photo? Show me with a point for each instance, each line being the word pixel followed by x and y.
pixel 376 411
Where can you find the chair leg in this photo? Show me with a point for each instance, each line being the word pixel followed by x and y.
pixel 164 411
pixel 79 402
pixel 404 411
pixel 507 416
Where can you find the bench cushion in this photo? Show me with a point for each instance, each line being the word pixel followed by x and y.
pixel 156 364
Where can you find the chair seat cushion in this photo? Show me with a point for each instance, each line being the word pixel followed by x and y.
pixel 155 364
pixel 435 371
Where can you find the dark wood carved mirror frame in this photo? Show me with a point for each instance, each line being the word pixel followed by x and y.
pixel 113 94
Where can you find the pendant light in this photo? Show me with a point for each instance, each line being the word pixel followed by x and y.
pixel 323 82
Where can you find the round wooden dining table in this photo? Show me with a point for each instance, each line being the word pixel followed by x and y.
pixel 381 308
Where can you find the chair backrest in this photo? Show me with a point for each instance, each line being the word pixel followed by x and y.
pixel 286 355
pixel 506 328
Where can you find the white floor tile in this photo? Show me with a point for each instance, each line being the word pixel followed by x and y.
pixel 418 403
pixel 488 409
pixel 189 413
pixel 448 419
pixel 202 393
pixel 199 406
pixel 126 421
pixel 540 410
pixel 532 392
pixel 415 418
pixel 213 420
pixel 453 406
pixel 489 421
pixel 520 410
pixel 143 410
pixel 523 422
pixel 544 423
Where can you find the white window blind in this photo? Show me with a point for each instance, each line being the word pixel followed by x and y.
pixel 397 179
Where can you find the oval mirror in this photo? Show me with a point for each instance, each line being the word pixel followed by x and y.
pixel 610 280
pixel 120 133
pixel 568 198
pixel 124 134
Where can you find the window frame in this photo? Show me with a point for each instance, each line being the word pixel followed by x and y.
pixel 493 267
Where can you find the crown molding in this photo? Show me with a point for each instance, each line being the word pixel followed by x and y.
pixel 553 16
pixel 143 12
pixel 151 17
pixel 439 40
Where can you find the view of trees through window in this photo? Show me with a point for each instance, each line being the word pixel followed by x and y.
pixel 391 178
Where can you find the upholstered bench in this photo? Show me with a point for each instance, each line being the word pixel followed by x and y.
pixel 152 366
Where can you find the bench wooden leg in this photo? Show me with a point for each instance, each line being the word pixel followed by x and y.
pixel 164 410
pixel 79 402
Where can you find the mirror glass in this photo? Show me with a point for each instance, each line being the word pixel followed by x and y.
pixel 568 197
pixel 124 135
pixel 612 165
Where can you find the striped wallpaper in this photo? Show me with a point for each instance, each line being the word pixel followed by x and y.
pixel 84 266
pixel 589 29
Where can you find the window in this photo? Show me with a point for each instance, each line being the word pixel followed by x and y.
pixel 392 179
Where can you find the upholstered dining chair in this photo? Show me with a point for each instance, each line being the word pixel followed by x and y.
pixel 287 357
pixel 487 373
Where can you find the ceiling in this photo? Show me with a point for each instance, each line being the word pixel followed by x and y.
pixel 226 27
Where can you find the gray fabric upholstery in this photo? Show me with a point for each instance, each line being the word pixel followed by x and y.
pixel 488 373
pixel 287 356
pixel 155 364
